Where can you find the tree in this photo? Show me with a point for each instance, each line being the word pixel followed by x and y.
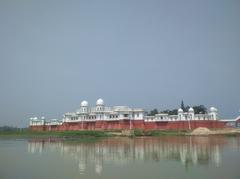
pixel 173 112
pixel 153 112
pixel 170 112
pixel 186 108
pixel 200 109
pixel 8 128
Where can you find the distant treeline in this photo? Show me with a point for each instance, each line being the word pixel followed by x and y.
pixel 198 109
pixel 10 128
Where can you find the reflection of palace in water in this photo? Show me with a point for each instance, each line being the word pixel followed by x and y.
pixel 188 150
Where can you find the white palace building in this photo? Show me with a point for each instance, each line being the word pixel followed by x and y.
pixel 102 113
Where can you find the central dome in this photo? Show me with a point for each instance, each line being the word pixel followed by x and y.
pixel 213 109
pixel 84 104
pixel 191 110
pixel 100 102
pixel 180 110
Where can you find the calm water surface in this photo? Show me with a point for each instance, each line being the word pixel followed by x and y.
pixel 122 158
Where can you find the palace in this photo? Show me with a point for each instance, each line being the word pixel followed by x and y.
pixel 101 117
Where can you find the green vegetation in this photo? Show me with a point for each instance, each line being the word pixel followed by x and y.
pixel 153 112
pixel 10 132
pixel 201 109
pixel 10 129
pixel 236 134
pixel 138 132
pixel 198 109
pixel 88 135
pixel 26 133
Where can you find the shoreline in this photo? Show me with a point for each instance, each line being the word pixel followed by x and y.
pixel 125 133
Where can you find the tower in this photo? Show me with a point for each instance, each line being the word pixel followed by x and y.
pixel 100 109
pixel 213 113
pixel 180 114
pixel 182 105
pixel 191 114
pixel 84 107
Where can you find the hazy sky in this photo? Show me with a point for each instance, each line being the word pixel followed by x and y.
pixel 141 53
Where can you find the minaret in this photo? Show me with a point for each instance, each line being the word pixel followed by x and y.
pixel 180 114
pixel 182 106
pixel 191 114
pixel 100 109
pixel 213 113
pixel 84 107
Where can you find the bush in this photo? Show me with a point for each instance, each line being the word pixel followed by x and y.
pixel 138 132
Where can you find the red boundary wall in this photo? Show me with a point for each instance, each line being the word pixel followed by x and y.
pixel 127 124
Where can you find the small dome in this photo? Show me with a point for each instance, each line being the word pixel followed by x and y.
pixel 191 110
pixel 84 104
pixel 100 102
pixel 213 109
pixel 180 110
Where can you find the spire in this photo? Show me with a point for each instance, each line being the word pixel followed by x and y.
pixel 182 106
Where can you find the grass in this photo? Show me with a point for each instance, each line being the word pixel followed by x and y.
pixel 58 134
pixel 230 134
pixel 86 134
pixel 76 135
pixel 138 132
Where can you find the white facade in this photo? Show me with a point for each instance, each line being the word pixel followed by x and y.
pixel 34 121
pixel 100 112
pixel 39 122
pixel 184 116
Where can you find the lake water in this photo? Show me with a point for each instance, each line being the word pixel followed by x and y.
pixel 122 158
